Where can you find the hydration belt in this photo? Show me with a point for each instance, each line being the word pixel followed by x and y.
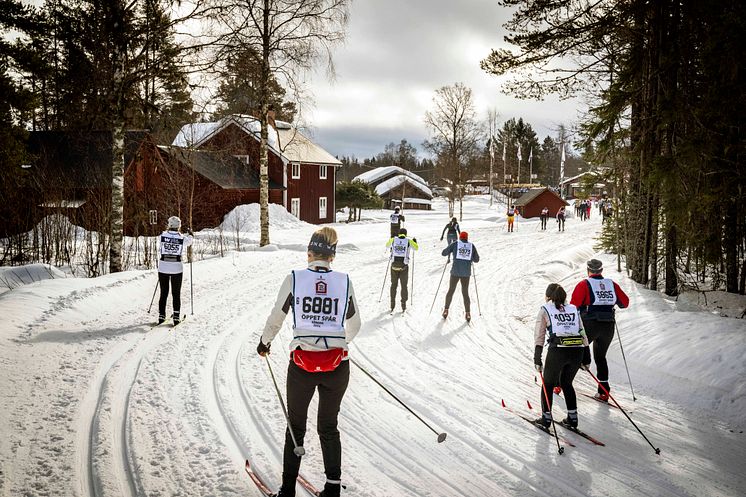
pixel 571 341
pixel 170 258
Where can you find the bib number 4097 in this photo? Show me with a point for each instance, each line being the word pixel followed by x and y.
pixel 320 305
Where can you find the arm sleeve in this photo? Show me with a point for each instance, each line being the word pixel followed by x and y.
pixel 622 300
pixel 414 244
pixel 475 255
pixel 540 328
pixel 391 240
pixel 448 249
pixel 188 240
pixel 352 320
pixel 279 311
pixel 458 230
pixel 580 295
pixel 442 233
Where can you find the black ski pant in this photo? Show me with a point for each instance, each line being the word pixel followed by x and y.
pixel 600 334
pixel 464 291
pixel 395 230
pixel 560 368
pixel 301 386
pixel 561 223
pixel 175 282
pixel 399 275
pixel 543 222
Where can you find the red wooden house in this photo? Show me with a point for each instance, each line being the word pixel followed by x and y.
pixel 532 202
pixel 305 171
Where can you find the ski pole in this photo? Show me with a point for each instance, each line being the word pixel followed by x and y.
pixel 560 449
pixel 438 289
pixel 157 284
pixel 476 288
pixel 625 362
pixel 298 450
pixel 411 292
pixel 441 436
pixel 606 391
pixel 384 279
pixel 191 280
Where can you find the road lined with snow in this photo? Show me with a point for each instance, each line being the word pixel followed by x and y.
pixel 99 404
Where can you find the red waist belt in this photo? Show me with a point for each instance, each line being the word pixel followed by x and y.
pixel 318 361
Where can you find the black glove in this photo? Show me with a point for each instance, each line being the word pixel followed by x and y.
pixel 441 238
pixel 586 357
pixel 414 240
pixel 190 232
pixel 537 357
pixel 262 349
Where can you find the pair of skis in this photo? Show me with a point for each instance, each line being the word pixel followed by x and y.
pixel 168 321
pixel 264 489
pixel 551 432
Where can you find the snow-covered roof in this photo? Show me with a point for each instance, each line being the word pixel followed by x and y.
pixel 381 172
pixel 422 201
pixel 296 147
pixel 394 182
pixel 195 134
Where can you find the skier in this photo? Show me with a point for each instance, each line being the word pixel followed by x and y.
pixel 325 320
pixel 595 298
pixel 511 216
pixel 453 230
pixel 171 267
pixel 396 219
pixel 464 254
pixel 400 249
pixel 561 219
pixel 588 209
pixel 543 217
pixel 568 350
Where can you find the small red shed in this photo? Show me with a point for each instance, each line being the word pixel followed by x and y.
pixel 533 201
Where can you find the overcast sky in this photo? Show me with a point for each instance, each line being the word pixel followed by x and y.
pixel 397 53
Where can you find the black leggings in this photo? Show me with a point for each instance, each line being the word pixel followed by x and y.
pixel 600 334
pixel 301 386
pixel 559 370
pixel 163 281
pixel 464 291
pixel 397 276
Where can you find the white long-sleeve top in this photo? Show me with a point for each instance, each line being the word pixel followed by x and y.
pixel 282 307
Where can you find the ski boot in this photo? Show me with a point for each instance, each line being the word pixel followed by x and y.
pixel 331 490
pixel 601 397
pixel 445 313
pixel 161 319
pixel 544 421
pixel 177 318
pixel 571 421
pixel 468 316
pixel 403 305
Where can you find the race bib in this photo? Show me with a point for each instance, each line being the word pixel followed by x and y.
pixel 394 218
pixel 171 245
pixel 400 248
pixel 463 251
pixel 563 322
pixel 319 303
pixel 603 291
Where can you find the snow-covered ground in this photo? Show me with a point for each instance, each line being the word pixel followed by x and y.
pixel 95 403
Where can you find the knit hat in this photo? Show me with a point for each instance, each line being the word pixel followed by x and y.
pixel 403 231
pixel 463 235
pixel 174 223
pixel 595 266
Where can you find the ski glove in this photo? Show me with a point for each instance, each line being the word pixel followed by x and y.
pixel 441 238
pixel 586 357
pixel 262 349
pixel 537 357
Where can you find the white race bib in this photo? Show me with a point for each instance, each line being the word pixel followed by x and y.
pixel 563 322
pixel 171 243
pixel 400 248
pixel 463 251
pixel 603 291
pixel 394 218
pixel 319 303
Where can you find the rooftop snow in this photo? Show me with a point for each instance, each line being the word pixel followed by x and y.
pixel 392 183
pixel 380 172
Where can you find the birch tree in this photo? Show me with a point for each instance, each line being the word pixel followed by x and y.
pixel 290 36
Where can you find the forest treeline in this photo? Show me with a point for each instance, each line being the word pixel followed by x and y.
pixel 666 82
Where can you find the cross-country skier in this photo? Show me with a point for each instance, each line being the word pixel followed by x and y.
pixel 568 349
pixel 400 250
pixel 396 219
pixel 171 267
pixel 325 320
pixel 595 298
pixel 511 217
pixel 543 218
pixel 561 219
pixel 453 230
pixel 464 254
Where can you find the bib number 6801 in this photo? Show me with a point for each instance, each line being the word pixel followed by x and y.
pixel 320 305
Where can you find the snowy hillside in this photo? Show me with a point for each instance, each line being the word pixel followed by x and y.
pixel 96 403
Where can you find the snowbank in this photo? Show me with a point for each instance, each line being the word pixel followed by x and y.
pixel 13 277
pixel 245 218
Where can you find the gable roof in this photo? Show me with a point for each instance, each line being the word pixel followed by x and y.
pixel 81 159
pixel 296 147
pixel 223 169
pixel 196 134
pixel 381 173
pixel 532 194
pixel 391 183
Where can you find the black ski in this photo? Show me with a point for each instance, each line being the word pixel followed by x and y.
pixel 548 431
pixel 582 434
pixel 606 403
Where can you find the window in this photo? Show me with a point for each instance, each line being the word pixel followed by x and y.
pixel 153 214
pixel 296 171
pixel 322 207
pixel 295 207
pixel 322 172
pixel 244 159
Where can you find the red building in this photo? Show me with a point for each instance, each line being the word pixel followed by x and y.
pixel 305 171
pixel 532 202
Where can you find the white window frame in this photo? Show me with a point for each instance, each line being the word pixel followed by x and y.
pixel 295 170
pixel 322 172
pixel 295 207
pixel 246 159
pixel 323 207
pixel 153 216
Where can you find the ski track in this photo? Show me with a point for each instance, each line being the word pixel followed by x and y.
pixel 154 400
